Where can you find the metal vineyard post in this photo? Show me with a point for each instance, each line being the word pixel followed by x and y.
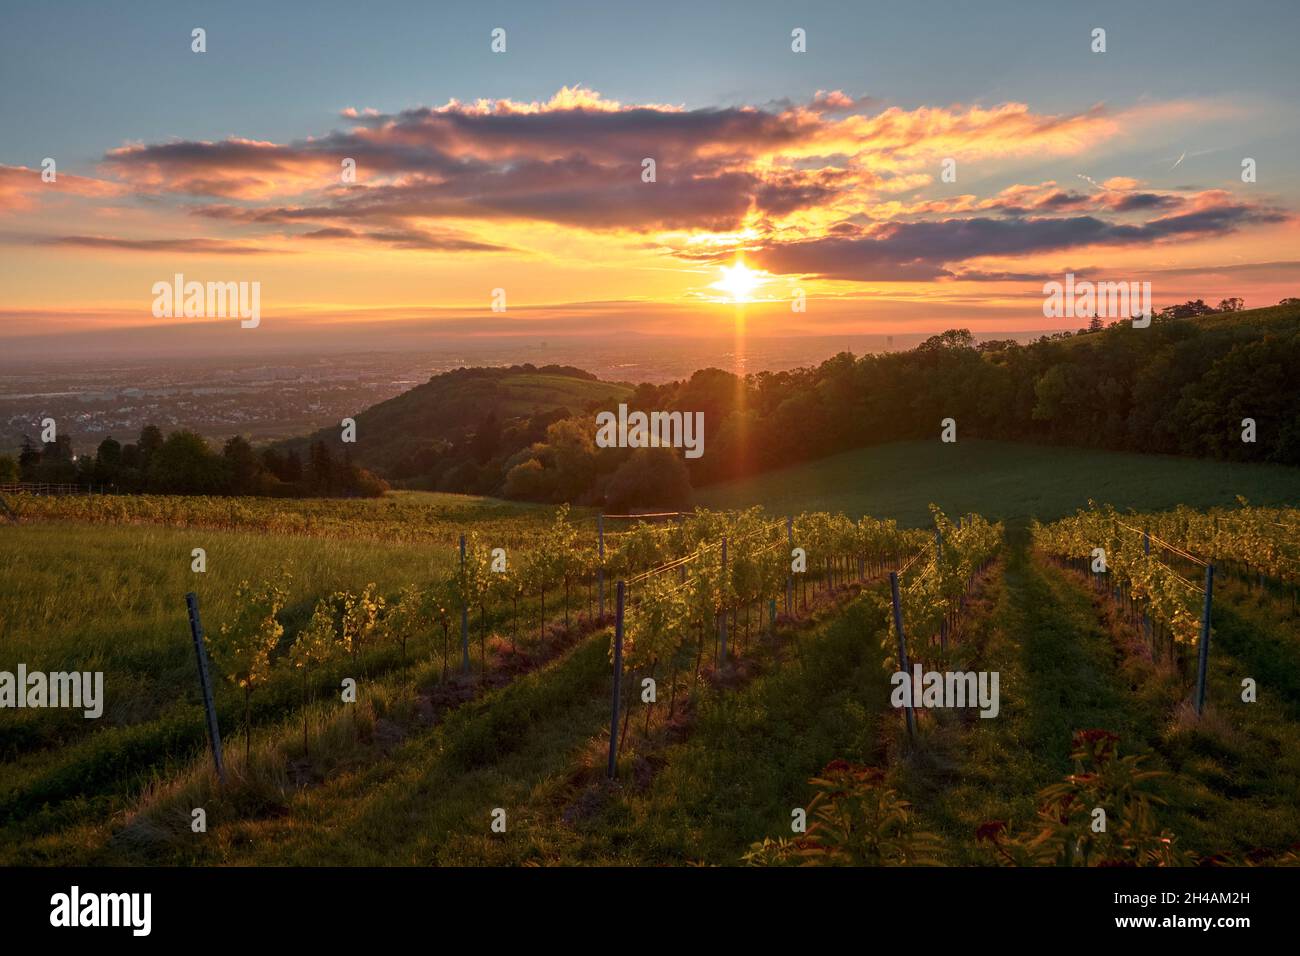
pixel 464 613
pixel 618 681
pixel 600 570
pixel 205 682
pixel 1205 639
pixel 902 646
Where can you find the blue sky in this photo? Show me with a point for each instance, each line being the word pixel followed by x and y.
pixel 79 77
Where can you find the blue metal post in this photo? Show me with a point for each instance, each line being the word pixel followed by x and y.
pixel 1205 639
pixel 464 612
pixel 618 684
pixel 724 599
pixel 205 682
pixel 902 646
pixel 789 578
pixel 600 570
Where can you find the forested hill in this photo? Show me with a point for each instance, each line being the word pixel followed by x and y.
pixel 408 434
pixel 1181 386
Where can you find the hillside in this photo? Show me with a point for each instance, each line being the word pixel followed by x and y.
pixel 1182 387
pixel 1009 481
pixel 1272 319
pixel 393 436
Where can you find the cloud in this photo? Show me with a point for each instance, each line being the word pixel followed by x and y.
pixel 979 275
pixel 912 251
pixel 407 239
pixel 833 101
pixel 576 161
pixel 220 247
pixel 232 168
pixel 1022 199
pixel 833 186
pixel 22 188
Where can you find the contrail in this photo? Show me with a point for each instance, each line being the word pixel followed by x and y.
pixel 1180 161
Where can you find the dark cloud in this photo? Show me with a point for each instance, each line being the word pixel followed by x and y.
pixel 1140 202
pixel 923 250
pixel 407 239
pixel 599 133
pixel 573 167
pixel 219 247
pixel 975 275
pixel 576 162
pixel 575 192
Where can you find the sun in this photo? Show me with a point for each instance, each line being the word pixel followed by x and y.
pixel 738 282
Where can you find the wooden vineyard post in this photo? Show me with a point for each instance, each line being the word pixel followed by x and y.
pixel 618 682
pixel 902 646
pixel 464 613
pixel 723 629
pixel 205 682
pixel 1205 640
pixel 600 568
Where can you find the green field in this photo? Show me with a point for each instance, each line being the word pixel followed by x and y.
pixel 1001 480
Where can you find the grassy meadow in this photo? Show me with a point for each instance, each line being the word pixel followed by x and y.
pixel 1001 480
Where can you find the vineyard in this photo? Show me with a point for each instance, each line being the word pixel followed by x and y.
pixel 678 580
pixel 648 688
pixel 409 517
pixel 934 595
pixel 1159 568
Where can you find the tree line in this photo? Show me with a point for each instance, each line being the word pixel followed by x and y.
pixel 1182 386
pixel 1177 387
pixel 184 463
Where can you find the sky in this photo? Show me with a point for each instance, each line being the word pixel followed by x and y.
pixel 820 172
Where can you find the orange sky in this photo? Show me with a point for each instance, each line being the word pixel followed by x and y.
pixel 842 199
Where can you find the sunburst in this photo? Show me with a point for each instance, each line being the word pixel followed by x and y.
pixel 738 282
